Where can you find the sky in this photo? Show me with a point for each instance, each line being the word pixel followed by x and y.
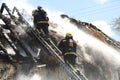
pixel 101 13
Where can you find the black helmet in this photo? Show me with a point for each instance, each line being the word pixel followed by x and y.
pixel 39 7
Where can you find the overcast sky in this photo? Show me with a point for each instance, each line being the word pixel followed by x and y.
pixel 99 12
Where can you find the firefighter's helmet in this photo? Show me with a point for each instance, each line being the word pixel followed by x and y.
pixel 68 34
pixel 39 7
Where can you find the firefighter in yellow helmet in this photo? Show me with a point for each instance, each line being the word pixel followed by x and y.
pixel 68 48
pixel 40 20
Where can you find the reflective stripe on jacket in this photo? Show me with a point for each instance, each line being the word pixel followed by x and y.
pixel 70 53
pixel 73 68
pixel 65 48
pixel 42 22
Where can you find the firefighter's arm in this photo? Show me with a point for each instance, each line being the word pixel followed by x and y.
pixel 60 45
pixel 47 18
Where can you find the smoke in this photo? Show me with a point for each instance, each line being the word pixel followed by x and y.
pixel 10 51
pixel 98 49
pixel 20 4
pixel 93 49
pixel 103 52
pixel 32 77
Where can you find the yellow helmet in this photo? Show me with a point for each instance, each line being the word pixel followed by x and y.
pixel 68 34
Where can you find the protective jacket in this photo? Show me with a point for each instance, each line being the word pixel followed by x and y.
pixel 40 16
pixel 67 46
pixel 41 21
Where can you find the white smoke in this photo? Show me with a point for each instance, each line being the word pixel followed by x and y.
pixel 10 51
pixel 32 77
pixel 20 4
pixel 108 53
pixel 111 55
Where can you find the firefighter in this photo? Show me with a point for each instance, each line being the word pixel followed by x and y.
pixel 68 47
pixel 40 20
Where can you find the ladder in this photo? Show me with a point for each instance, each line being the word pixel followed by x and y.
pixel 50 46
pixel 52 49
